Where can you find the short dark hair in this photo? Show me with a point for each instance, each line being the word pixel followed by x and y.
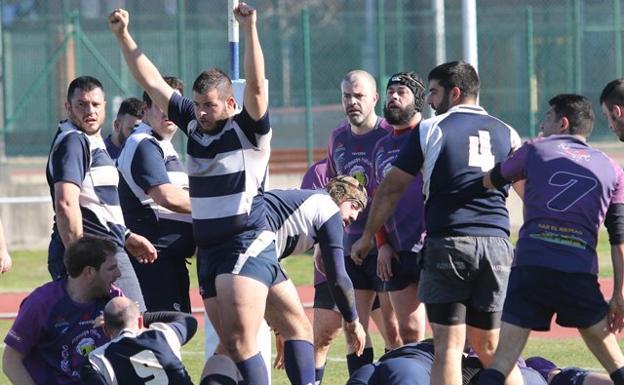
pixel 213 79
pixel 174 82
pixel 85 83
pixel 90 250
pixel 458 74
pixel 131 106
pixel 577 109
pixel 613 93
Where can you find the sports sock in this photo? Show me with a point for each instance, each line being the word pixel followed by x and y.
pixel 618 376
pixel 299 361
pixel 254 370
pixel 491 377
pixel 354 362
pixel 318 374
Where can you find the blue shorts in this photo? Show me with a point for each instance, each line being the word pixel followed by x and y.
pixel 535 294
pixel 165 283
pixel 250 254
pixel 405 270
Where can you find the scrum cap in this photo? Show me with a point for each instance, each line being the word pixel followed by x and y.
pixel 412 81
pixel 346 188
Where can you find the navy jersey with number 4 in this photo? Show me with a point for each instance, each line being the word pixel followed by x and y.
pixel 454 151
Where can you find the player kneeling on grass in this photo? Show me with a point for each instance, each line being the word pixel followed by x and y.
pixel 571 189
pixel 304 218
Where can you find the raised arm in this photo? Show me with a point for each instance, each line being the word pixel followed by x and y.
pixel 143 70
pixel 255 98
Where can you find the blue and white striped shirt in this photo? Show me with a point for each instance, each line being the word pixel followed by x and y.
pixel 146 162
pixel 227 172
pixel 78 158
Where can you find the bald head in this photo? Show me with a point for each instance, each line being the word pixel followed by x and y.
pixel 359 96
pixel 120 313
pixel 361 76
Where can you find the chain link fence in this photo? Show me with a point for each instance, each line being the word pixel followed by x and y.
pixel 528 52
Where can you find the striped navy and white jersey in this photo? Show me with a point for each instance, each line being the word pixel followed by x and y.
pixel 78 158
pixel 146 162
pixel 153 355
pixel 302 218
pixel 454 151
pixel 227 172
pixel 296 216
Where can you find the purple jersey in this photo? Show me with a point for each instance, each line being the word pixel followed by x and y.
pixel 351 154
pixel 569 187
pixel 316 176
pixel 406 226
pixel 55 333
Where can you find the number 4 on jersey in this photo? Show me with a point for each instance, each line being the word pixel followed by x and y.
pixel 480 151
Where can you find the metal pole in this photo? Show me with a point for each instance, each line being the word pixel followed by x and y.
pixel 618 38
pixel 381 45
pixel 400 27
pixel 76 33
pixel 531 72
pixel 440 30
pixel 4 90
pixel 233 39
pixel 469 25
pixel 307 75
pixel 181 37
pixel 577 48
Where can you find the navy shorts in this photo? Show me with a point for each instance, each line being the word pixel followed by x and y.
pixel 324 300
pixel 405 270
pixel 469 270
pixel 250 254
pixel 165 283
pixel 570 376
pixel 535 294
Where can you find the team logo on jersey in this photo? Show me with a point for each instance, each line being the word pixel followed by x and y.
pixel 359 173
pixel 85 346
pixel 576 155
pixel 339 156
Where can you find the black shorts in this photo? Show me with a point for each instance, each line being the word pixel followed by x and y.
pixel 535 294
pixel 469 270
pixel 251 254
pixel 324 300
pixel 405 270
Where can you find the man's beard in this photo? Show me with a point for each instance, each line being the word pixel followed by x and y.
pixel 444 105
pixel 399 117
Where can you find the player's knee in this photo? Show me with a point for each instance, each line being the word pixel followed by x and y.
pixel 324 337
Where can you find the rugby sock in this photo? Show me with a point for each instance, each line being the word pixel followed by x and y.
pixel 318 375
pixel 254 370
pixel 299 361
pixel 618 376
pixel 354 362
pixel 491 377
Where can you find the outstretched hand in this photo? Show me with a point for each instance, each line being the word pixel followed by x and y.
pixel 245 15
pixel 141 248
pixel 118 21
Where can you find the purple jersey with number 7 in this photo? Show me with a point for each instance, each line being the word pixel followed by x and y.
pixel 569 187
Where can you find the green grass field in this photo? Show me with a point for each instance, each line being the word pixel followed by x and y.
pixel 29 271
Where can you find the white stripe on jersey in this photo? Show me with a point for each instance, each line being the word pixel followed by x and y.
pixel 304 222
pixel 255 248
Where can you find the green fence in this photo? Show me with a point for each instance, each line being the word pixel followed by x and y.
pixel 528 51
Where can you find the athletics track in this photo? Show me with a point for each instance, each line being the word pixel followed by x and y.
pixel 9 304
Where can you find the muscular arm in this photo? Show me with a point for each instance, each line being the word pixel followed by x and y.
pixel 143 70
pixel 172 197
pixel 255 97
pixel 67 211
pixel 386 199
pixel 13 367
